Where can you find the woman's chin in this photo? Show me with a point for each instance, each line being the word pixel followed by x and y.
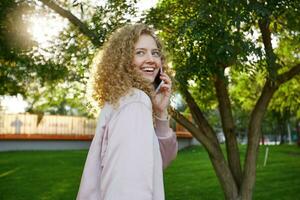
pixel 149 79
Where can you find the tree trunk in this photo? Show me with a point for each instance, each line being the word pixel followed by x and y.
pixel 281 129
pixel 233 153
pixel 298 131
pixel 225 177
pixel 262 138
pixel 254 134
pixel 216 156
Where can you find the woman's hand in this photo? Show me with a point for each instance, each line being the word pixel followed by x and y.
pixel 162 97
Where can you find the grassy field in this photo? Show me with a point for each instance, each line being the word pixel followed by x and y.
pixel 55 175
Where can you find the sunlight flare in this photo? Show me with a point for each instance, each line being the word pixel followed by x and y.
pixel 44 28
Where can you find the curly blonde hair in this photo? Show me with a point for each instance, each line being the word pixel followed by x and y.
pixel 115 74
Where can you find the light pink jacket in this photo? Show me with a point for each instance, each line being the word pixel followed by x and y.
pixel 127 155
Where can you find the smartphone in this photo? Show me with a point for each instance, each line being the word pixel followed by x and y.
pixel 157 81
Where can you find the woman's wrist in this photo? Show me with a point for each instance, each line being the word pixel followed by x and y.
pixel 162 115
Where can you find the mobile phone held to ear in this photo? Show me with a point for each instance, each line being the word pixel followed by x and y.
pixel 157 81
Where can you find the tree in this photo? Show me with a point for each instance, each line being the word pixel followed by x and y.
pixel 19 65
pixel 89 27
pixel 207 41
pixel 244 90
pixel 38 77
pixel 286 100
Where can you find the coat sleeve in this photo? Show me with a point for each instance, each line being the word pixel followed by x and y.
pixel 90 180
pixel 167 141
pixel 127 172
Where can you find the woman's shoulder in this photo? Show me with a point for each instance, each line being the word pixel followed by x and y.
pixel 105 114
pixel 136 96
pixel 132 100
pixel 133 97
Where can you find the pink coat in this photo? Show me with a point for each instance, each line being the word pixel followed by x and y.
pixel 127 155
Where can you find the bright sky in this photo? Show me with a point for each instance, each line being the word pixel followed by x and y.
pixel 14 104
pixel 43 30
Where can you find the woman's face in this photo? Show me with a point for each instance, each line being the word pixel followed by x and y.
pixel 147 59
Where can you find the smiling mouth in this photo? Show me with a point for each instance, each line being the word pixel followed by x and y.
pixel 148 69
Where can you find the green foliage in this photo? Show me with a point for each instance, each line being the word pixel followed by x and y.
pixel 111 16
pixel 11 45
pixel 75 51
pixel 48 77
pixel 287 98
pixel 20 64
pixel 13 34
pixel 64 98
pixel 204 37
pixel 245 88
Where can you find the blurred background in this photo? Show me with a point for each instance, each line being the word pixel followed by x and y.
pixel 236 68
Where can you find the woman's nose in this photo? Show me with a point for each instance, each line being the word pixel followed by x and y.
pixel 150 57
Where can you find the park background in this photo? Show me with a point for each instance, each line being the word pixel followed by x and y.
pixel 236 73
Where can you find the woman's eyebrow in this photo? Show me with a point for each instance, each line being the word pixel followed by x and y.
pixel 141 48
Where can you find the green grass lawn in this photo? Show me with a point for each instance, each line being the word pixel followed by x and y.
pixel 55 175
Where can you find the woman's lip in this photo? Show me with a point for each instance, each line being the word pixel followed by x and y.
pixel 148 73
pixel 148 70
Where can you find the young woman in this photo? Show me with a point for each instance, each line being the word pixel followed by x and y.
pixel 133 141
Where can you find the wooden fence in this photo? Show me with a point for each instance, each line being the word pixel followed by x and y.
pixel 30 126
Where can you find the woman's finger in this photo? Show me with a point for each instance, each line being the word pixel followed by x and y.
pixel 166 78
pixel 166 89
pixel 166 86
pixel 167 81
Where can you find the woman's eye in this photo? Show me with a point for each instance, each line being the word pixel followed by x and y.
pixel 139 53
pixel 156 53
